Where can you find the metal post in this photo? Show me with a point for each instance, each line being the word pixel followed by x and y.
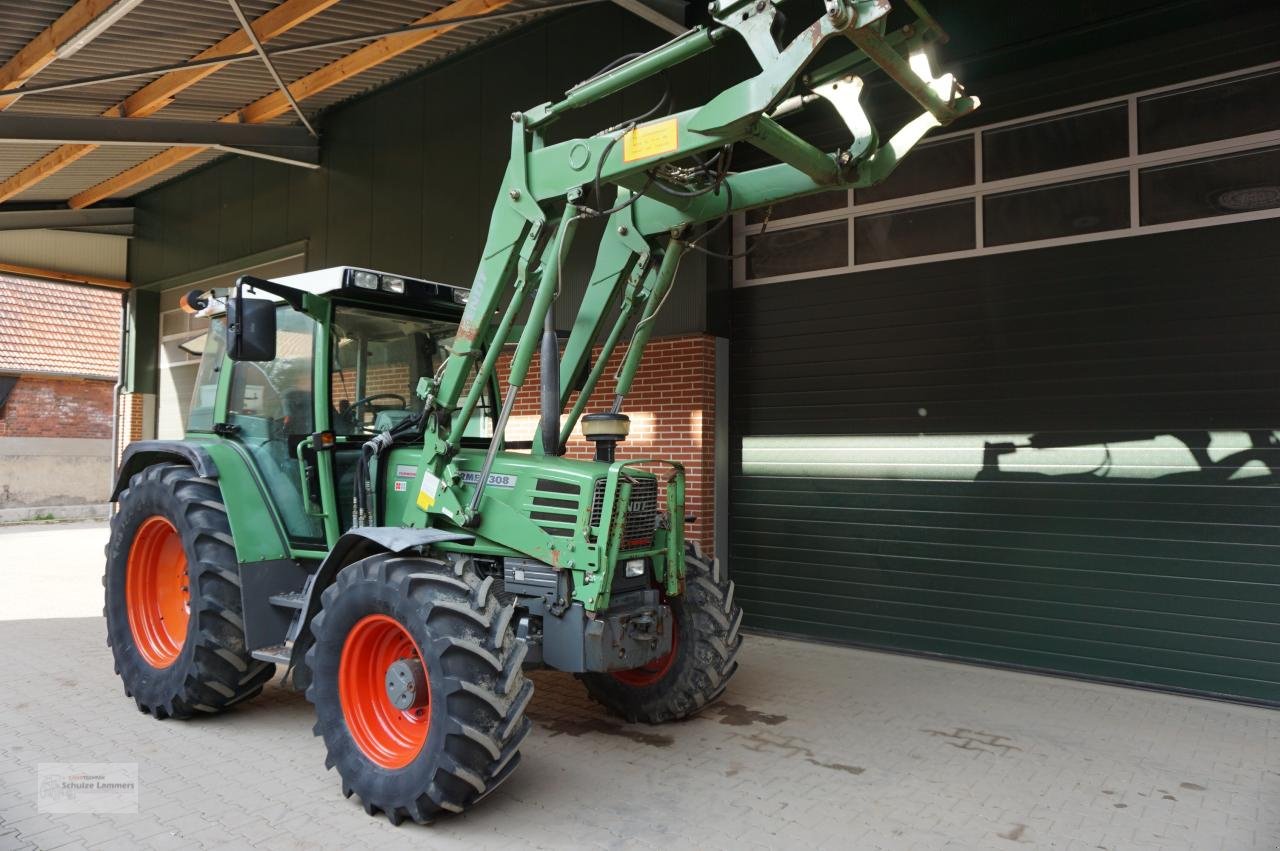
pixel 549 385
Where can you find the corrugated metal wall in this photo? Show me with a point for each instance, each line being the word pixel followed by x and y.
pixel 1063 458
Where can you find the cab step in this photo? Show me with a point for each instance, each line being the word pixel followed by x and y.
pixel 281 654
pixel 289 600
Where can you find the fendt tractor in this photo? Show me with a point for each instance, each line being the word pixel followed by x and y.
pixel 345 503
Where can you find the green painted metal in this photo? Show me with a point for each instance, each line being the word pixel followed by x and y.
pixel 255 524
pixel 538 173
pixel 501 497
pixel 544 183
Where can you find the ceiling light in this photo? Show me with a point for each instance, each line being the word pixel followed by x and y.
pixel 95 28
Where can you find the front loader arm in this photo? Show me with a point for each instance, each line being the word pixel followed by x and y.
pixel 543 198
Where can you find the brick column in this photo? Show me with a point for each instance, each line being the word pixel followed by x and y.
pixel 132 423
pixel 672 409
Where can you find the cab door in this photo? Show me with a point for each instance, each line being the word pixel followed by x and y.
pixel 270 411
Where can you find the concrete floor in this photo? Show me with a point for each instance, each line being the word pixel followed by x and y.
pixel 812 746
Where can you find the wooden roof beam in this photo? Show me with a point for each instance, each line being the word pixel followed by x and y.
pixel 159 93
pixel 43 49
pixel 66 277
pixel 276 104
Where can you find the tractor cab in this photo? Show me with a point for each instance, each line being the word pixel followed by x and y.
pixel 339 360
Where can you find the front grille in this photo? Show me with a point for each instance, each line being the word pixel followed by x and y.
pixel 642 513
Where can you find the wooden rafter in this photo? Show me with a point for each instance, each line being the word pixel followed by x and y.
pixel 276 104
pixel 43 49
pixel 67 277
pixel 160 92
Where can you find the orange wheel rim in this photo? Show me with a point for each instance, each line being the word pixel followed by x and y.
pixel 157 592
pixel 647 675
pixel 388 735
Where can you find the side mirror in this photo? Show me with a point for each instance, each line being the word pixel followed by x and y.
pixel 251 328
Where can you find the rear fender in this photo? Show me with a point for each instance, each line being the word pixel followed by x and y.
pixel 256 530
pixel 145 453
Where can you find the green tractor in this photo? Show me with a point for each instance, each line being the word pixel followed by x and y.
pixel 346 503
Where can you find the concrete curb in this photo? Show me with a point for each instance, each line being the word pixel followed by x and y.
pixel 97 511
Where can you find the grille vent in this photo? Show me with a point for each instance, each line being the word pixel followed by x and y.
pixel 642 514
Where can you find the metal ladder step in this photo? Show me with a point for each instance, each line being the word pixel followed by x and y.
pixel 278 653
pixel 289 600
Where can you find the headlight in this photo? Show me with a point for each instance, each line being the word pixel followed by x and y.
pixel 634 568
pixel 365 280
pixel 460 296
pixel 392 284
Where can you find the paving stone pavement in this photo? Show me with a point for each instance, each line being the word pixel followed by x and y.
pixel 812 746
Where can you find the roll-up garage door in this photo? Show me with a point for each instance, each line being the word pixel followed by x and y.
pixel 1063 458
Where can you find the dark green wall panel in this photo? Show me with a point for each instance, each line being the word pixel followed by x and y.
pixel 235 219
pixel 270 206
pixel 306 213
pixel 348 158
pixel 396 213
pixel 451 205
pixel 1065 458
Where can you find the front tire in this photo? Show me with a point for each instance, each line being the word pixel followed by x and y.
pixel 417 685
pixel 173 609
pixel 703 656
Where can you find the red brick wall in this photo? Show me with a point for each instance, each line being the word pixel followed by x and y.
pixel 44 406
pixel 131 411
pixel 389 378
pixel 672 409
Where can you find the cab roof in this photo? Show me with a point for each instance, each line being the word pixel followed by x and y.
pixel 335 278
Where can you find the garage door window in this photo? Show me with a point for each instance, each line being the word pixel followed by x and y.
pixel 1199 154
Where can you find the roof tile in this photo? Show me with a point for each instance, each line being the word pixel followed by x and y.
pixel 58 329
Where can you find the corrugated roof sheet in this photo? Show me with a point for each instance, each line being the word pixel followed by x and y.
pixel 163 32
pixel 58 329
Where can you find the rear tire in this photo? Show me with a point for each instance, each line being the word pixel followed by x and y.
pixel 703 657
pixel 173 609
pixel 461 739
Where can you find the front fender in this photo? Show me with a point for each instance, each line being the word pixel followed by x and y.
pixel 354 545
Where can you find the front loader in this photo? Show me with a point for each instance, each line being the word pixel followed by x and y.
pixel 346 504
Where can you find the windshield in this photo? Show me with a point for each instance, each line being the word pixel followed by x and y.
pixel 378 359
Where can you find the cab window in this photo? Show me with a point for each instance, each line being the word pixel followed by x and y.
pixel 377 361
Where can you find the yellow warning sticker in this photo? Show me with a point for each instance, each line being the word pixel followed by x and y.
pixel 650 140
pixel 427 493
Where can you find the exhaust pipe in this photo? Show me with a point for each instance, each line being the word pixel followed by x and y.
pixel 549 386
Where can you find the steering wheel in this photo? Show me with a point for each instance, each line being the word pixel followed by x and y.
pixel 352 412
pixel 404 403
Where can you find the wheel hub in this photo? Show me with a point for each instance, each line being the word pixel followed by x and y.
pixel 157 592
pixel 385 691
pixel 406 682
